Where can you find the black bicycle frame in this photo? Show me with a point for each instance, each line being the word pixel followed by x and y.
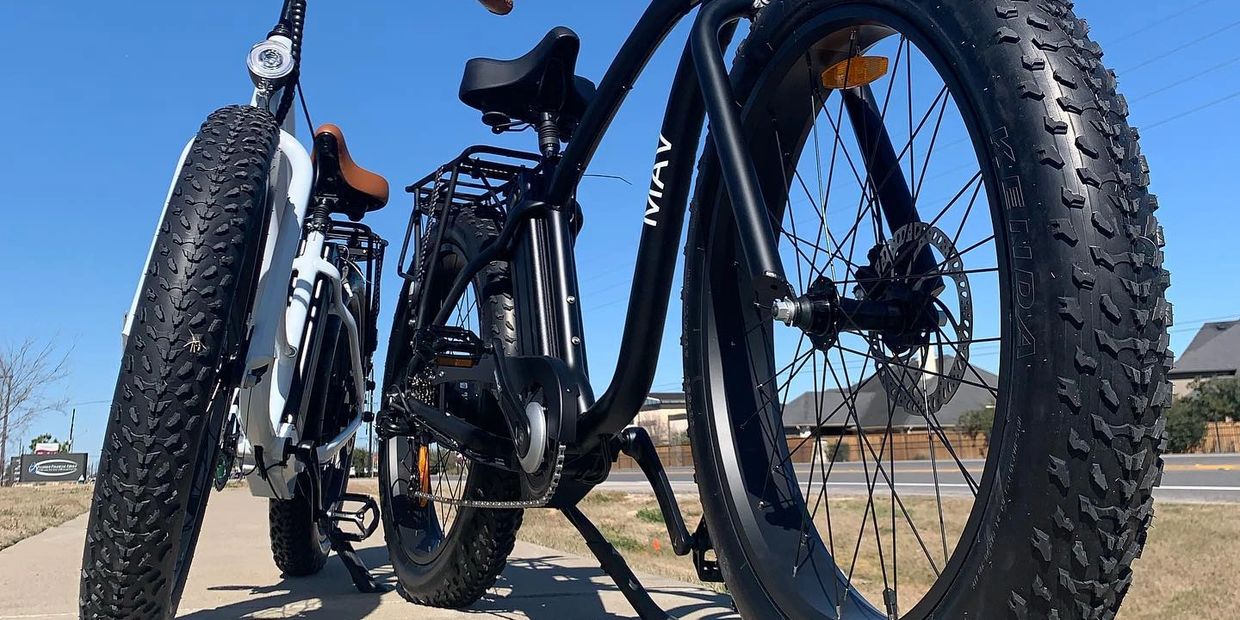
pixel 545 274
pixel 552 324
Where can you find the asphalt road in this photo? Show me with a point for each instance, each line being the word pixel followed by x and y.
pixel 1202 478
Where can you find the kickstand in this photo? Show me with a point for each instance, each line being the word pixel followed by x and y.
pixel 614 565
pixel 362 579
pixel 342 542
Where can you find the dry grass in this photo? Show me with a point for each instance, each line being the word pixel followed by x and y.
pixel 28 510
pixel 1190 568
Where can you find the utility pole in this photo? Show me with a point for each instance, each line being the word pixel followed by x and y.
pixel 370 450
pixel 72 419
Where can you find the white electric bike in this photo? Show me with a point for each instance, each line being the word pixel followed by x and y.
pixel 248 347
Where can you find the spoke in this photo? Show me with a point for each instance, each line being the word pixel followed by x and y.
pixel 890 481
pixel 938 497
pixel 934 137
pixel 890 362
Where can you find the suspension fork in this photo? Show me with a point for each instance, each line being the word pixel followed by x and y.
pixel 886 177
pixel 757 239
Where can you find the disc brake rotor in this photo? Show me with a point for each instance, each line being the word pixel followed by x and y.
pixel 902 374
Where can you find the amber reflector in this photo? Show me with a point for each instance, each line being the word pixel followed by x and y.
pixel 424 473
pixel 454 362
pixel 854 72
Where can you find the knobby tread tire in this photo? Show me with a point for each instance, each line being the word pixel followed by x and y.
pixel 477 549
pixel 160 435
pixel 295 538
pixel 1060 537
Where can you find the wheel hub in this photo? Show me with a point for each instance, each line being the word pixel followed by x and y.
pixel 899 313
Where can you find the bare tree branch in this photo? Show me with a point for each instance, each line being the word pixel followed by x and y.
pixel 28 372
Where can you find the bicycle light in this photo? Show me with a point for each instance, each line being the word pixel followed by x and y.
pixel 270 61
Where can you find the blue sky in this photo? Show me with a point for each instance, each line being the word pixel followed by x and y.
pixel 99 99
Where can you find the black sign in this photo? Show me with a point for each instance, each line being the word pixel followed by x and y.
pixel 53 467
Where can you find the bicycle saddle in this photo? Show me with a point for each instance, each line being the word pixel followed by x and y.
pixel 523 89
pixel 356 189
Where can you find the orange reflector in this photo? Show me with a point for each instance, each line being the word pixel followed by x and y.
pixel 454 362
pixel 424 473
pixel 854 72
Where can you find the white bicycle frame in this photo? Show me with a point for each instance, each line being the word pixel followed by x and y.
pixel 279 322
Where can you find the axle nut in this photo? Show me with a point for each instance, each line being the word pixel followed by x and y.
pixel 785 311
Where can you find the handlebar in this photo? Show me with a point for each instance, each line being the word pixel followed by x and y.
pixel 498 7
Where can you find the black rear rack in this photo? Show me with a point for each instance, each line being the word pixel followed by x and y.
pixel 365 250
pixel 482 176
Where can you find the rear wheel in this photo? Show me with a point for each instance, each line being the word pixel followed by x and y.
pixel 446 555
pixel 1013 146
pixel 163 437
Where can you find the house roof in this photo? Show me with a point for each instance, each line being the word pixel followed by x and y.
pixel 656 400
pixel 1214 350
pixel 873 408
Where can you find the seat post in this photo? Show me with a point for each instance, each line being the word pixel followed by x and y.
pixel 548 135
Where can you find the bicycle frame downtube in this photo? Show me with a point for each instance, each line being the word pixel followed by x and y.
pixel 691 101
pixel 657 257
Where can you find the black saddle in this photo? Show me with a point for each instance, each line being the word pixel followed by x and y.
pixel 542 81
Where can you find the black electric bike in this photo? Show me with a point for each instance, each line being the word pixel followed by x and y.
pixel 905 212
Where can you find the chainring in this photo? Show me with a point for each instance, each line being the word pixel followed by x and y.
pixel 540 486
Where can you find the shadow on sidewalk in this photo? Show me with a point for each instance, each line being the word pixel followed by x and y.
pixel 536 588
pixel 329 594
pixel 540 589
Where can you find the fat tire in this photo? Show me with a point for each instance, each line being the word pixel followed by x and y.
pixel 162 438
pixel 297 544
pixel 477 548
pixel 1059 537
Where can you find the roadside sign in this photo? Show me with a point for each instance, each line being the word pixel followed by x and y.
pixel 53 467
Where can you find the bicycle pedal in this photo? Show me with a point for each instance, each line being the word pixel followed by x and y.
pixel 450 346
pixel 365 518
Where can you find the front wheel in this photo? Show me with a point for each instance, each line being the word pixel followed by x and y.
pixel 163 437
pixel 1025 288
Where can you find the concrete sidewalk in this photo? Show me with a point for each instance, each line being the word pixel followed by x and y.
pixel 233 577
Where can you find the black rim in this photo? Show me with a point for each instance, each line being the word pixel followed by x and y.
pixel 781 510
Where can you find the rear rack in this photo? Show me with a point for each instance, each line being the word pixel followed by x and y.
pixel 482 176
pixel 365 250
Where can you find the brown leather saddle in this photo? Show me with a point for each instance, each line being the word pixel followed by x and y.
pixel 355 189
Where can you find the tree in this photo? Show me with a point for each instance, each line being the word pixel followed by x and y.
pixel 1211 401
pixel 1186 425
pixel 46 438
pixel 28 372
pixel 977 422
pixel 1219 399
pixel 361 462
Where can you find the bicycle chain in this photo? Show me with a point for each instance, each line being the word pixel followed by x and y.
pixel 508 505
pixel 421 388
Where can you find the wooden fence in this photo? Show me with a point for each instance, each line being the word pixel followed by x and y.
pixel 915 445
